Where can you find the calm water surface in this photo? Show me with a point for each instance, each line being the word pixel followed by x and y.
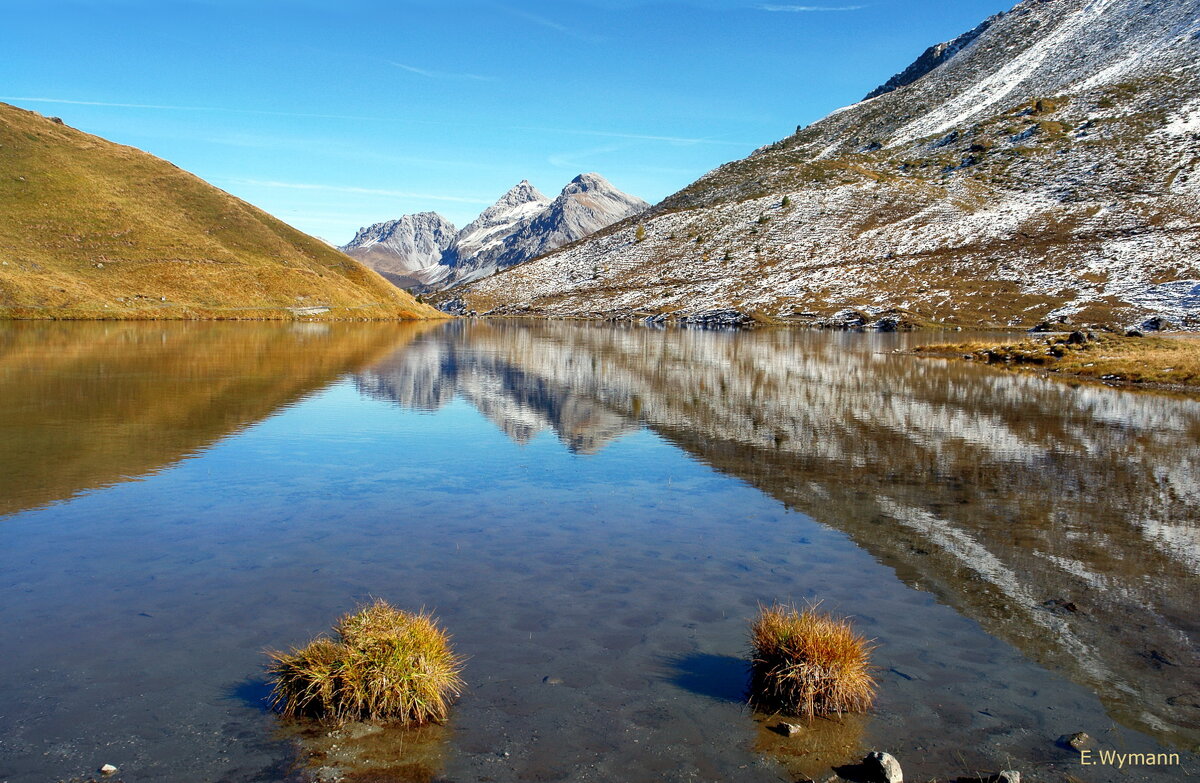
pixel 595 512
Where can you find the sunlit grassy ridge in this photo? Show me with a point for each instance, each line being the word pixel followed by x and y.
pixel 93 229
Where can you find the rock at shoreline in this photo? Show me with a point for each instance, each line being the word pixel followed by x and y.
pixel 876 767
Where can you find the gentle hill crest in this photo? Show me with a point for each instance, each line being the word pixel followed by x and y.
pixel 94 229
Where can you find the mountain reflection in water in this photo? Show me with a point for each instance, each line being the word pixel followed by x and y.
pixel 1064 520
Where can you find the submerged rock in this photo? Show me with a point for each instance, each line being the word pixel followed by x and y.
pixel 1075 741
pixel 1006 776
pixel 107 769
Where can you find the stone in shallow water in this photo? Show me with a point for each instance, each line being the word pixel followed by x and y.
pixel 107 769
pixel 1075 741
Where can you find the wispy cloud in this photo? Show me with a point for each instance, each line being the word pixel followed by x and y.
pixel 261 183
pixel 247 141
pixel 549 24
pixel 804 8
pixel 582 158
pixel 441 74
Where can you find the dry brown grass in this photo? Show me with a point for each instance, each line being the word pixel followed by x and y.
pixel 1168 361
pixel 96 230
pixel 385 665
pixel 808 663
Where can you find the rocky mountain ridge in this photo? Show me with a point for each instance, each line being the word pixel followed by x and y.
pixel 423 253
pixel 395 248
pixel 1042 167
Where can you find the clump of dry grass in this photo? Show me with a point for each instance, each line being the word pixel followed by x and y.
pixel 808 663
pixel 385 665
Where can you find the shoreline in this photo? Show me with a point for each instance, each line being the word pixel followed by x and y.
pixel 1168 363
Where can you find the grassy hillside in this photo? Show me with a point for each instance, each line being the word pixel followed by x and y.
pixel 92 229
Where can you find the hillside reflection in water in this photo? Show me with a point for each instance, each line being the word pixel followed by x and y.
pixel 595 512
pixel 1064 520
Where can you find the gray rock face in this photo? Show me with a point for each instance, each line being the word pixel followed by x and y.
pixel 422 252
pixel 398 247
pixel 479 248
pixel 1041 167
pixel 524 224
pixel 932 58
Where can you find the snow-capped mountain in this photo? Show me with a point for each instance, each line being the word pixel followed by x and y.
pixel 422 252
pixel 477 249
pixel 587 204
pixel 397 248
pixel 1043 166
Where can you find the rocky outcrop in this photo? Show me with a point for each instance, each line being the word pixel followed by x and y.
pixel 397 248
pixel 479 248
pixel 422 253
pixel 1044 166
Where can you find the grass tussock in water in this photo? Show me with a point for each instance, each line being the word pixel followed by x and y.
pixel 384 665
pixel 808 663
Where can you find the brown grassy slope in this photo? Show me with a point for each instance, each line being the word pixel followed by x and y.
pixel 1144 360
pixel 92 229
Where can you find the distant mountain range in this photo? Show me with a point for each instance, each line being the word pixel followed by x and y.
pixel 1044 166
pixel 424 252
pixel 93 229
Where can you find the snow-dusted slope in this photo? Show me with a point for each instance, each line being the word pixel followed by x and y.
pixel 478 247
pixel 1045 165
pixel 525 224
pixel 396 248
pixel 587 204
pixel 422 251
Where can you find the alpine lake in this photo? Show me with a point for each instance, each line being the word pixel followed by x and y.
pixel 595 512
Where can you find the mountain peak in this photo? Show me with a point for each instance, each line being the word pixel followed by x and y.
pixel 587 181
pixel 521 193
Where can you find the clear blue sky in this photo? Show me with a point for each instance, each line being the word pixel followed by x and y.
pixel 333 114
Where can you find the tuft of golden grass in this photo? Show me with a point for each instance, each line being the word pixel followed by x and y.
pixel 384 665
pixel 808 663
